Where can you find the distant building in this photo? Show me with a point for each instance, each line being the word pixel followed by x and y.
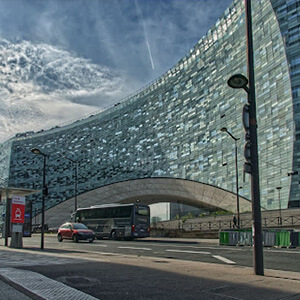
pixel 171 128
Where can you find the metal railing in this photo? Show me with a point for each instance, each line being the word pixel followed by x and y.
pixel 272 222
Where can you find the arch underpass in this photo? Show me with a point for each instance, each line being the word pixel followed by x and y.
pixel 150 191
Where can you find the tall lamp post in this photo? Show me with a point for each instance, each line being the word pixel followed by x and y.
pixel 39 152
pixel 224 129
pixel 280 219
pixel 239 81
pixel 75 185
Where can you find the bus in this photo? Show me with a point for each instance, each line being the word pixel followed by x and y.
pixel 116 221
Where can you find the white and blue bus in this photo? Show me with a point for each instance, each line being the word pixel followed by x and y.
pixel 116 221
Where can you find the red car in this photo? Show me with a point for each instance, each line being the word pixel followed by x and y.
pixel 75 232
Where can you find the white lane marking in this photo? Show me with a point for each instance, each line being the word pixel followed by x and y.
pixel 188 251
pixel 288 251
pixel 224 259
pixel 136 248
pixel 195 247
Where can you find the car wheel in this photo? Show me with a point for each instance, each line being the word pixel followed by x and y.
pixel 75 238
pixel 91 240
pixel 59 237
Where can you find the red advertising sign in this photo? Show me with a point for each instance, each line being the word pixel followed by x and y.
pixel 17 209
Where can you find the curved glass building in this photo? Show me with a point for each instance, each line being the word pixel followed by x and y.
pixel 171 128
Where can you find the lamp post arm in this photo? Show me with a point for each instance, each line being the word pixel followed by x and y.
pixel 71 160
pixel 232 136
pixel 247 90
pixel 224 129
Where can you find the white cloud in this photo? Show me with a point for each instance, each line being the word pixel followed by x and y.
pixel 77 57
pixel 42 86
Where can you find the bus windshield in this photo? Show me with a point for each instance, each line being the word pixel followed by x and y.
pixel 142 210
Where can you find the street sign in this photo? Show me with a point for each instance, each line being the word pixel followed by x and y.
pixel 17 209
pixel 17 228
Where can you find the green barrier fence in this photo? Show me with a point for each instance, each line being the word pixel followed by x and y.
pixel 271 238
pixel 245 237
pixel 283 239
pixel 223 238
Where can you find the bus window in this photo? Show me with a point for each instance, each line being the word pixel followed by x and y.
pixel 124 212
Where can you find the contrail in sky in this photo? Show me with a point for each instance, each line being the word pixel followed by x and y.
pixel 146 37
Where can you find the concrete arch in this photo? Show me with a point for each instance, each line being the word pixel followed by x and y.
pixel 149 191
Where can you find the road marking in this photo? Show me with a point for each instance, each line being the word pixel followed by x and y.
pixel 195 247
pixel 226 260
pixel 283 251
pixel 135 248
pixel 188 251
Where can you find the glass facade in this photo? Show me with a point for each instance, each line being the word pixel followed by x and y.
pixel 288 16
pixel 171 128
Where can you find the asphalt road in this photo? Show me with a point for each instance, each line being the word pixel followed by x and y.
pixel 145 269
pixel 274 258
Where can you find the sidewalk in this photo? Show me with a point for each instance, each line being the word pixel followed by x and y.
pixel 8 292
pixel 162 277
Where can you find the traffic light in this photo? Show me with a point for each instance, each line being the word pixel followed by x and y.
pixel 247 152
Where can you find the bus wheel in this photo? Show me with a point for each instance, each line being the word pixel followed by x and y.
pixel 113 235
pixel 75 238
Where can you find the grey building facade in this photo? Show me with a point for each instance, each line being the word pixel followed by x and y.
pixel 171 128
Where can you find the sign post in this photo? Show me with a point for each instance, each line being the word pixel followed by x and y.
pixel 17 221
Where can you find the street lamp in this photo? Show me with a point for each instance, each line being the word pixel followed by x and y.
pixel 75 184
pixel 38 152
pixel 239 81
pixel 280 219
pixel 224 129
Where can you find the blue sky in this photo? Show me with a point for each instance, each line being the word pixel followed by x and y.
pixel 61 59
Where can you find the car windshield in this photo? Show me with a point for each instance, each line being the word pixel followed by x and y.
pixel 79 226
